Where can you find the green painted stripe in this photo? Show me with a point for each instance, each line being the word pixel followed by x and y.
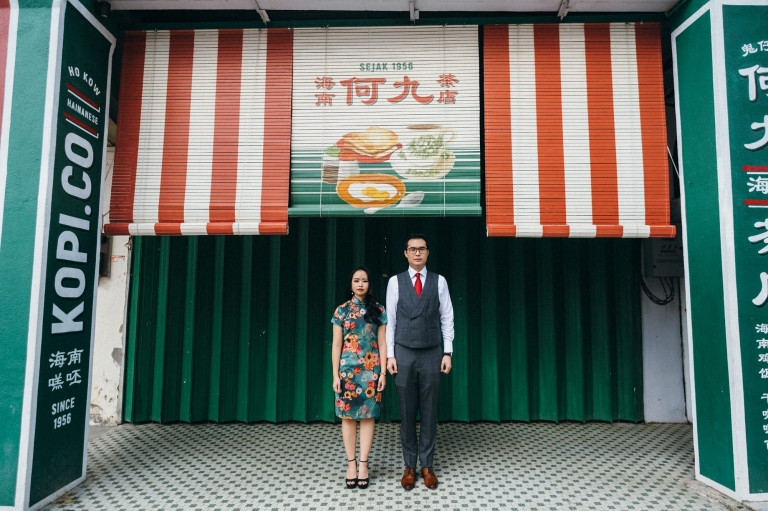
pixel 158 391
pixel 187 365
pixel 244 335
pixel 710 357
pixel 214 389
pixel 19 217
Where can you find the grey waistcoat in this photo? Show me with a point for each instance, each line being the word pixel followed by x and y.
pixel 418 319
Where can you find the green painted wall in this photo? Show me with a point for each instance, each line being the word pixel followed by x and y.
pixel 238 328
pixel 699 161
pixel 19 215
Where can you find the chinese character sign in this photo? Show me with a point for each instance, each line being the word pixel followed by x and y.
pixel 746 58
pixel 385 121
pixel 71 261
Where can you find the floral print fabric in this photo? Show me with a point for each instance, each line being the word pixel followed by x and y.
pixel 360 364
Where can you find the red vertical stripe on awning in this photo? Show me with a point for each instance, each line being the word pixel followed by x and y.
pixel 128 129
pixel 498 126
pixel 549 124
pixel 176 136
pixel 277 133
pixel 5 22
pixel 602 134
pixel 653 123
pixel 226 131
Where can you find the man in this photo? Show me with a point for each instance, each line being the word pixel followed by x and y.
pixel 420 344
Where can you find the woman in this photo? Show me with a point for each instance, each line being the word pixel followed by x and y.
pixel 359 364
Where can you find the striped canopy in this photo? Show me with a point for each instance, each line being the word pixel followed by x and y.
pixel 575 132
pixel 203 142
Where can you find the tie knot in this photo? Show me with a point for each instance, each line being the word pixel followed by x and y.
pixel 418 275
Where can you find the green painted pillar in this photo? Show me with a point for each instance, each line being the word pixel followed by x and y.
pixel 720 51
pixel 54 87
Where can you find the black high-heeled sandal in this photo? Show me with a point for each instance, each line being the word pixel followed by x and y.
pixel 363 483
pixel 352 483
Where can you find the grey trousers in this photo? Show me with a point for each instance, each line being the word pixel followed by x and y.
pixel 418 390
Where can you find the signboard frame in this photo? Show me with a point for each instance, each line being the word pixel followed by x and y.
pixel 63 11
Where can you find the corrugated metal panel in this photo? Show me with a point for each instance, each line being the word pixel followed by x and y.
pixel 238 328
pixel 575 133
pixel 386 120
pixel 204 133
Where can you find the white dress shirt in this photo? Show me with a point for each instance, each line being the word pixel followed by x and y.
pixel 446 310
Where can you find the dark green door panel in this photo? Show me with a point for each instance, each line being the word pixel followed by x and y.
pixel 238 328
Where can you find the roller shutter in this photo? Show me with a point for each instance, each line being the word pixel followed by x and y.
pixel 386 122
pixel 203 142
pixel 575 131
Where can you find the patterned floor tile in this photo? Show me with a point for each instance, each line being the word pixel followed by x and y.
pixel 484 466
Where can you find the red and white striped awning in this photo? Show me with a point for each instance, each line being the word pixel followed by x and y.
pixel 575 131
pixel 203 142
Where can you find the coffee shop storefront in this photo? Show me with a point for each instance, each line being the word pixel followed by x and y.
pixel 255 167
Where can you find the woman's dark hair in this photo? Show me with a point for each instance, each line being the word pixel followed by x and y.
pixel 372 312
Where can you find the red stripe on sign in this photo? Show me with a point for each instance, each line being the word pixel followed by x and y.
pixel 83 97
pixel 653 125
pixel 549 121
pixel 755 202
pixel 173 178
pixel 754 168
pixel 556 231
pixel 226 130
pixel 602 133
pixel 128 128
pixel 277 126
pixel 498 129
pixel 80 124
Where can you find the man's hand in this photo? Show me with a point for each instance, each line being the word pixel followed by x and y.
pixel 392 365
pixel 445 366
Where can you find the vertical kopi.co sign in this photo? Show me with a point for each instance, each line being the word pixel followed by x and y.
pixel 79 118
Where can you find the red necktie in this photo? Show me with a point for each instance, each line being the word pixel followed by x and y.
pixel 417 286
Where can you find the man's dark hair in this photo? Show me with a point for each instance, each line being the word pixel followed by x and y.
pixel 415 236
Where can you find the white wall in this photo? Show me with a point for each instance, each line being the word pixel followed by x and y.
pixel 109 345
pixel 664 391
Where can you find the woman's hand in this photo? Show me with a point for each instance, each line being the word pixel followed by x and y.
pixel 382 381
pixel 336 384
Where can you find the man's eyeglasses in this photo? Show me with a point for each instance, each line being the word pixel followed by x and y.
pixel 417 250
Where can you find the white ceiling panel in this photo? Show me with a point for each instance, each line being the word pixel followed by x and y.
pixel 402 5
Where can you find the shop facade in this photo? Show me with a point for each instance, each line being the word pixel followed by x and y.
pixel 255 165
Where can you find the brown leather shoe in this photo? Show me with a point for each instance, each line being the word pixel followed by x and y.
pixel 409 478
pixel 430 479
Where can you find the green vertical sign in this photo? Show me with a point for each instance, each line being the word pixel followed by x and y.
pixel 746 68
pixel 80 117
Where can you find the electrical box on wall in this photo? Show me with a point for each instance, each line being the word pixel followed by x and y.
pixel 663 257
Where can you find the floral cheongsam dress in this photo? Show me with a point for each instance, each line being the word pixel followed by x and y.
pixel 360 364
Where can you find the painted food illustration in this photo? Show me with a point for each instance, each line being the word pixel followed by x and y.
pixel 371 190
pixel 374 145
pixel 424 155
pixel 418 154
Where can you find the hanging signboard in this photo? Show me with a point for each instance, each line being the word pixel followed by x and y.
pixel 73 226
pixel 746 70
pixel 385 121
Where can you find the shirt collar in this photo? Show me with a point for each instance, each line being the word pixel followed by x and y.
pixel 356 301
pixel 412 272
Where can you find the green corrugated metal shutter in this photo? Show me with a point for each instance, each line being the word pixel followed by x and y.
pixel 238 328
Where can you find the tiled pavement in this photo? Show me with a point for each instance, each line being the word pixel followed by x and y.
pixel 481 466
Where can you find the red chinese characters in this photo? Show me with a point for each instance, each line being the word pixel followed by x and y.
pixel 367 90
pixel 364 88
